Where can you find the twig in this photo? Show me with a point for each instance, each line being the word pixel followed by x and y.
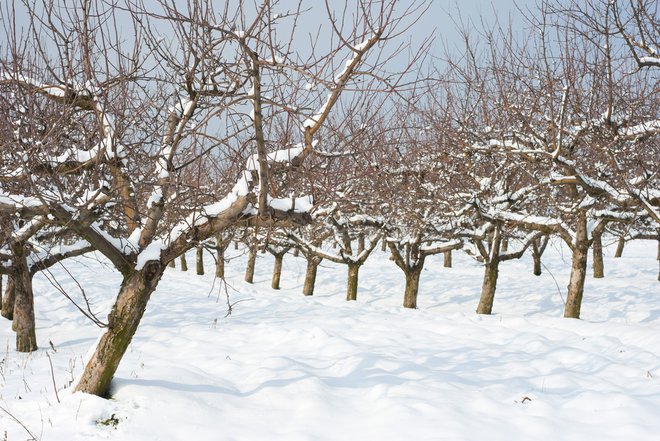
pixel 20 423
pixel 52 376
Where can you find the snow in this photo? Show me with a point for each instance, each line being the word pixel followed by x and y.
pixel 649 60
pixel 286 367
pixel 151 252
pixel 301 204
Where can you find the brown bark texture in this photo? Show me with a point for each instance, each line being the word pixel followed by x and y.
pixel 277 271
pixel 8 300
pixel 597 250
pixel 23 323
pixel 123 321
pixel 199 254
pixel 447 259
pixel 352 285
pixel 578 270
pixel 310 275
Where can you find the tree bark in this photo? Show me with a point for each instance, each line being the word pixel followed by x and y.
pixel 447 260
pixel 172 264
pixel 538 247
pixel 8 300
pixel 505 245
pixel 123 321
pixel 310 275
pixel 277 271
pixel 200 260
pixel 412 288
pixel 578 270
pixel 488 287
pixel 23 323
pixel 536 257
pixel 184 262
pixel 597 250
pixel 251 262
pixel 220 247
pixel 619 247
pixel 351 290
pixel 360 245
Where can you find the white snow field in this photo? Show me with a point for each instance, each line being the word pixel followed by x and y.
pixel 286 367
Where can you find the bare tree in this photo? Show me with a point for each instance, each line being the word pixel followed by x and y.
pixel 215 84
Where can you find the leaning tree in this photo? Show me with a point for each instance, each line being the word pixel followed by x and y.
pixel 192 82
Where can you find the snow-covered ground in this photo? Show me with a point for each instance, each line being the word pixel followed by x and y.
pixel 286 367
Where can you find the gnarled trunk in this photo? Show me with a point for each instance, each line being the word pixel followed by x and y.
pixel 412 287
pixel 199 260
pixel 351 289
pixel 123 321
pixel 277 271
pixel 8 300
pixel 578 270
pixel 310 275
pixel 597 251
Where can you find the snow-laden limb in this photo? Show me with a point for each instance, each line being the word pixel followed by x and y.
pixel 24 206
pixel 312 124
pixel 642 129
pixel 649 61
pixel 49 256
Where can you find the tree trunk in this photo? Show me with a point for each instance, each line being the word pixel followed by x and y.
pixel 447 259
pixel 200 260
pixel 8 300
pixel 360 246
pixel 505 245
pixel 491 270
pixel 310 275
pixel 277 271
pixel 619 247
pixel 488 287
pixel 383 245
pixel 23 324
pixel 184 262
pixel 597 250
pixel 538 247
pixel 351 290
pixel 251 262
pixel 296 252
pixel 220 248
pixel 536 257
pixel 172 263
pixel 0 291
pixel 412 288
pixel 123 321
pixel 578 270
